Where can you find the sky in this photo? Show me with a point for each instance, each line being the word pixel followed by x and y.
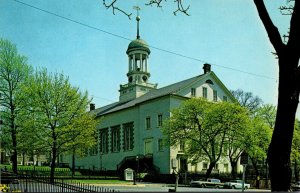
pixel 87 42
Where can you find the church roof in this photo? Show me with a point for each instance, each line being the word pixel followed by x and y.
pixel 167 90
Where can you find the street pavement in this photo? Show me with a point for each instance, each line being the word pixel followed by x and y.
pixel 155 187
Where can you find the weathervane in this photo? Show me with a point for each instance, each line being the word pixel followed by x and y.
pixel 137 8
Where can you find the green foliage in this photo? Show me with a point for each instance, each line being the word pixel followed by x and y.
pixel 268 113
pixel 60 119
pixel 204 127
pixel 13 74
pixel 260 137
pixel 296 142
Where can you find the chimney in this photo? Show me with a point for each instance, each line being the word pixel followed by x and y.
pixel 206 68
pixel 92 106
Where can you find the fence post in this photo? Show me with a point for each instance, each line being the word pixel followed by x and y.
pixel 62 184
pixel 25 182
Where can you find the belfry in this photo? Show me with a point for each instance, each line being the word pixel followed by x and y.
pixel 138 69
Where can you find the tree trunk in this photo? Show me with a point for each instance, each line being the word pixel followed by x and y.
pixel 54 155
pixel 14 148
pixel 296 170
pixel 254 164
pixel 23 156
pixel 73 163
pixel 52 165
pixel 280 148
pixel 210 168
pixel 288 96
pixel 233 169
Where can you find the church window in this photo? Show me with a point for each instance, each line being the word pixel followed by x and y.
pixel 181 146
pixel 115 139
pixel 215 95
pixel 204 92
pixel 128 136
pixel 160 145
pixel 148 146
pixel 193 92
pixel 104 140
pixel 209 81
pixel 159 120
pixel 94 149
pixel 148 123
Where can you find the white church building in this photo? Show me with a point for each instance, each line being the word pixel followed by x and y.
pixel 129 133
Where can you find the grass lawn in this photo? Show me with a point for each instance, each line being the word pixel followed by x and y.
pixel 41 168
pixel 100 181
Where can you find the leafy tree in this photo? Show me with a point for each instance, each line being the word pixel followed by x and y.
pixel 267 112
pixel 295 155
pixel 60 111
pixel 13 73
pixel 259 140
pixel 31 144
pixel 204 126
pixel 82 139
pixel 262 124
pixel 185 123
pixel 235 120
pixel 288 96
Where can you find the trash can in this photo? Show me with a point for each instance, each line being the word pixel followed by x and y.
pixel 128 174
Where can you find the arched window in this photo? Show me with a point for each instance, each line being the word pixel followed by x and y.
pixel 208 81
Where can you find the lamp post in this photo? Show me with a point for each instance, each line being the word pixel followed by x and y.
pixel 137 168
pixel 174 166
pixel 244 171
pixel 267 179
pixel 101 153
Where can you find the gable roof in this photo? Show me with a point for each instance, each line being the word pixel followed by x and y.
pixel 167 90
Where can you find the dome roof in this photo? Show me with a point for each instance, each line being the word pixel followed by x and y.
pixel 138 44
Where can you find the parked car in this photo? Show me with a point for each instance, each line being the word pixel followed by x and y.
pixel 295 186
pixel 236 184
pixel 209 183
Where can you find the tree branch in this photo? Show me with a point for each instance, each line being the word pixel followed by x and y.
pixel 294 39
pixel 271 29
pixel 112 5
pixel 180 8
pixel 286 10
pixel 154 2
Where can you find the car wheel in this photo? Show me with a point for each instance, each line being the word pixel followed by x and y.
pixel 233 187
pixel 202 186
pixel 245 187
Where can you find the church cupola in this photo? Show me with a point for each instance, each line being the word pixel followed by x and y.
pixel 138 69
pixel 138 53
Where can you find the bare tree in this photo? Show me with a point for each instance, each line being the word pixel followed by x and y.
pixel 158 3
pixel 247 99
pixel 288 95
pixel 288 54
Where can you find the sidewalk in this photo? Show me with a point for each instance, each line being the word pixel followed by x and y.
pixel 150 184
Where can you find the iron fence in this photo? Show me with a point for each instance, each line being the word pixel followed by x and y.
pixel 25 183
